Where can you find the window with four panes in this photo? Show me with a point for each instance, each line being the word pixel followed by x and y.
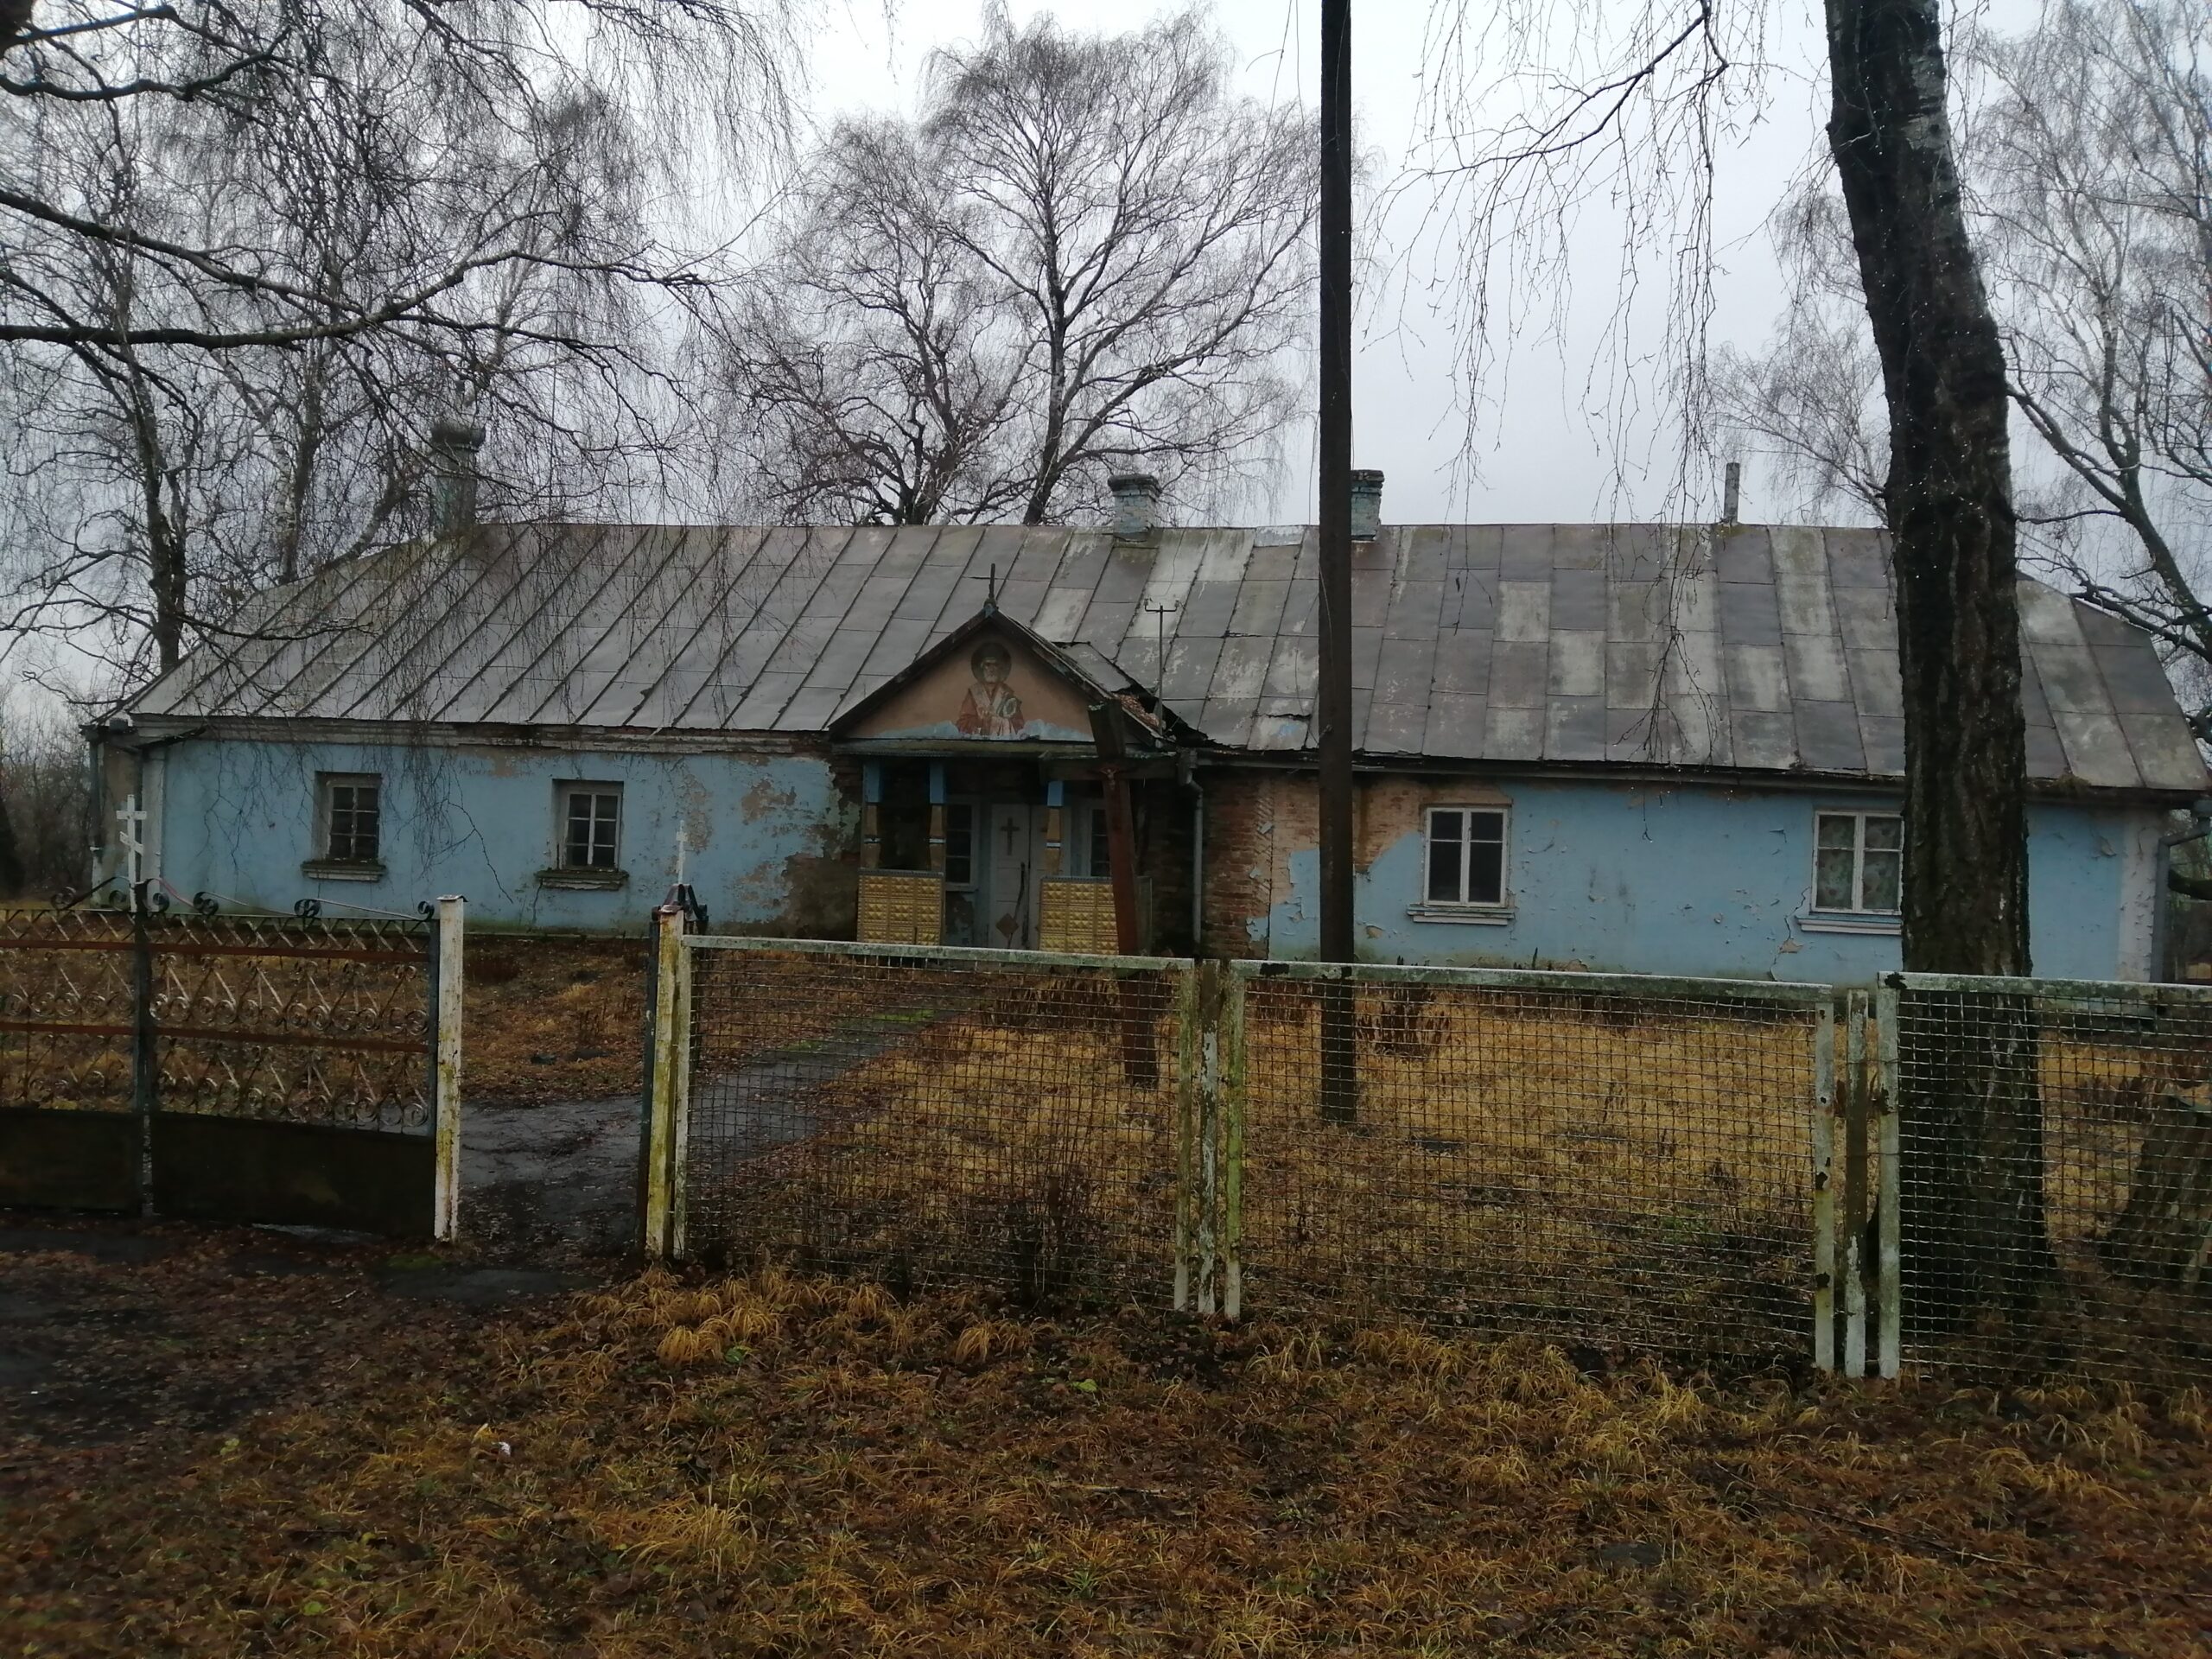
pixel 352 815
pixel 1858 862
pixel 1467 856
pixel 591 827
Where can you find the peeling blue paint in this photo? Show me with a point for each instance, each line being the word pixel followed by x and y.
pixel 237 819
pixel 1684 879
pixel 1705 881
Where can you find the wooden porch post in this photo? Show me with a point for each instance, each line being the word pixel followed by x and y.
pixel 1140 1060
pixel 1122 859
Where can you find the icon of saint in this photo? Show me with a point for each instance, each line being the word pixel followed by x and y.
pixel 990 709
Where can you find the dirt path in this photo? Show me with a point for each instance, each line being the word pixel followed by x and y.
pixel 550 1184
pixel 555 1183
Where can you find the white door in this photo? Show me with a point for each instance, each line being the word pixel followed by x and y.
pixel 1010 905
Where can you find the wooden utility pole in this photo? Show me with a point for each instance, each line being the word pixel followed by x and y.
pixel 1339 1078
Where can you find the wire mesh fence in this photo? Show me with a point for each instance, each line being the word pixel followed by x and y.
pixel 2054 1178
pixel 1970 1177
pixel 1598 1160
pixel 932 1117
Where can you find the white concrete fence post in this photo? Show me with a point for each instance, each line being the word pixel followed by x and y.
pixel 446 1038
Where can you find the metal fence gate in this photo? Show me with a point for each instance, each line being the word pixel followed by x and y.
pixel 280 1069
pixel 926 1115
pixel 1990 1178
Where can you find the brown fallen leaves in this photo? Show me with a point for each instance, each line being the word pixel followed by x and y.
pixel 775 1464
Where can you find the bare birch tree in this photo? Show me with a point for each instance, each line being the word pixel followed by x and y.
pixel 1087 255
pixel 2089 188
pixel 249 248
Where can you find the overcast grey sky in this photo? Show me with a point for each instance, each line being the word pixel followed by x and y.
pixel 1545 453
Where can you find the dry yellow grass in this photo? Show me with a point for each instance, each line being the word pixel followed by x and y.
pixel 560 1019
pixel 1513 1167
pixel 1522 1163
pixel 871 1477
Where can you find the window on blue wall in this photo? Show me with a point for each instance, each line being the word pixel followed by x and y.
pixel 1858 862
pixel 1466 855
pixel 351 809
pixel 591 826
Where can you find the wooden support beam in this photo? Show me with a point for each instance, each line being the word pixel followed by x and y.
pixel 669 1119
pixel 1121 860
pixel 937 816
pixel 1055 827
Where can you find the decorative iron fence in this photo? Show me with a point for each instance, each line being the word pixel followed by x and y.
pixel 1990 1178
pixel 286 1068
pixel 68 1004
pixel 295 1019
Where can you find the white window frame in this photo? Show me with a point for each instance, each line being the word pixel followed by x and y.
pixel 1426 905
pixel 1858 907
pixel 565 793
pixel 326 785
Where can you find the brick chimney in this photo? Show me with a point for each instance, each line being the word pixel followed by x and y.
pixel 453 446
pixel 1136 505
pixel 1366 504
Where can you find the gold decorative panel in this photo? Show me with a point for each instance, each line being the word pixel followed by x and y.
pixel 901 907
pixel 1075 916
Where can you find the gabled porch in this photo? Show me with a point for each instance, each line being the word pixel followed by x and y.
pixel 1015 795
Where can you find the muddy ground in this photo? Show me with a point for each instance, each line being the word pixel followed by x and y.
pixel 132 1335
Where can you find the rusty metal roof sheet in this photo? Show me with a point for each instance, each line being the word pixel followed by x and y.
pixel 1759 648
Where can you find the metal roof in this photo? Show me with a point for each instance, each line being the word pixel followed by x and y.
pixel 1752 647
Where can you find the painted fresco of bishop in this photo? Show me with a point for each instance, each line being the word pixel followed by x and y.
pixel 990 709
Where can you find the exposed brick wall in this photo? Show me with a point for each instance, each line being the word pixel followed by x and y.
pixel 1254 822
pixel 1257 821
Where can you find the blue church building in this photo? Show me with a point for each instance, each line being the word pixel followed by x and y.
pixel 1637 748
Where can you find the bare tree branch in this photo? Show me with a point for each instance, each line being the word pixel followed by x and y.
pixel 1088 255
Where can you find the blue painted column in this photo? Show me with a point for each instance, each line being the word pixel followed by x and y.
pixel 871 814
pixel 937 816
pixel 1055 801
